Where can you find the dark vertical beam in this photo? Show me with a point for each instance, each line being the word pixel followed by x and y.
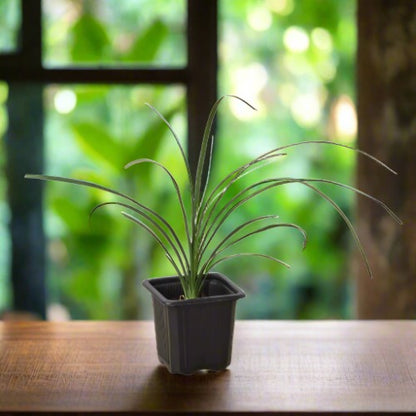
pixel 31 33
pixel 202 67
pixel 387 129
pixel 24 153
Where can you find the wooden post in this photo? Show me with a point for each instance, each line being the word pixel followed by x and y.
pixel 387 129
pixel 24 153
pixel 24 150
pixel 202 71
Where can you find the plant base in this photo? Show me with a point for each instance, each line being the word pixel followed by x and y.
pixel 194 334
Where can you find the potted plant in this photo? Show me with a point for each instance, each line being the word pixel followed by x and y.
pixel 194 310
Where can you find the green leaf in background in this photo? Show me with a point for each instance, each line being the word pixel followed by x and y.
pixel 85 288
pixel 69 212
pixel 316 286
pixel 148 144
pixel 90 41
pixel 9 24
pixel 148 43
pixel 96 142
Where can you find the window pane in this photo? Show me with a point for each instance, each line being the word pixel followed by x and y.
pixel 9 25
pixel 4 211
pixel 91 133
pixel 294 61
pixel 114 32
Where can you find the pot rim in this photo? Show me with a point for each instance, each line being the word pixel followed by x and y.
pixel 236 292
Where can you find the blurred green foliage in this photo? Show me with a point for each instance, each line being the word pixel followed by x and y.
pixel 96 266
pixel 9 25
pixel 292 59
pixel 113 32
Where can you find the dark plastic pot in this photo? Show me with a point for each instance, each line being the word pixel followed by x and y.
pixel 194 334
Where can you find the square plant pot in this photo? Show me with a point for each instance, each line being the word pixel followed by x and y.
pixel 194 334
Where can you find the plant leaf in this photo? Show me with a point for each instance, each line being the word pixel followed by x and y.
pixel 103 188
pixel 149 142
pixel 185 160
pixel 216 195
pixel 358 191
pixel 98 143
pixel 231 256
pixel 282 181
pixel 242 226
pixel 216 252
pixel 347 221
pixel 278 149
pixel 90 41
pixel 155 224
pixel 204 144
pixel 175 184
pixel 148 43
pixel 156 237
pixel 200 205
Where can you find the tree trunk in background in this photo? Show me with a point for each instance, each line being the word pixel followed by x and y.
pixel 24 154
pixel 387 129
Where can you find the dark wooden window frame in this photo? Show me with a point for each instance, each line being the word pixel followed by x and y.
pixel 24 70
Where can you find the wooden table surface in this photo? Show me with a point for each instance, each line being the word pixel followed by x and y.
pixel 277 367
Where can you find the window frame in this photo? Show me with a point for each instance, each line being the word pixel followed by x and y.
pixel 199 76
pixel 23 67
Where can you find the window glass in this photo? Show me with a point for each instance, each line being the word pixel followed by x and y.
pixel 9 25
pixel 4 211
pixel 96 264
pixel 294 61
pixel 114 32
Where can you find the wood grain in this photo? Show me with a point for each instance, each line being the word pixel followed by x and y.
pixel 277 367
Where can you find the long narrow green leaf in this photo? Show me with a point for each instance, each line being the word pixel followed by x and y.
pixel 236 174
pixel 378 161
pixel 237 229
pixel 155 224
pixel 200 205
pixel 202 274
pixel 216 195
pixel 232 205
pixel 175 184
pixel 204 144
pixel 103 188
pixel 156 237
pixel 283 181
pixel 268 227
pixel 231 256
pixel 80 182
pixel 331 182
pixel 358 191
pixel 347 221
pixel 185 159
pixel 206 214
pixel 279 149
pixel 216 252
pixel 222 187
pixel 227 209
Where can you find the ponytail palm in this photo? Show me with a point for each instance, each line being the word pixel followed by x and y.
pixel 204 208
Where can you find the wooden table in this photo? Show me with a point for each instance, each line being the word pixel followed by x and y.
pixel 277 367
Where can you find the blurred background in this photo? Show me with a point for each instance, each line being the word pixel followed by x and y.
pixel 293 60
